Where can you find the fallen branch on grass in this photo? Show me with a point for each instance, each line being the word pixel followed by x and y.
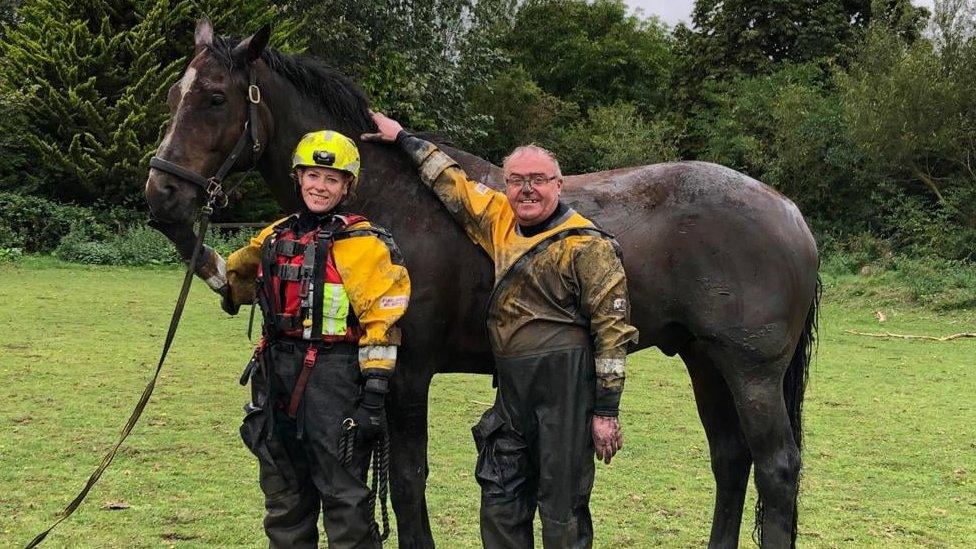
pixel 962 335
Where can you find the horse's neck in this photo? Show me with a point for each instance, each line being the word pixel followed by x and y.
pixel 295 115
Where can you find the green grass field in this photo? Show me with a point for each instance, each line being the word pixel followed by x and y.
pixel 890 458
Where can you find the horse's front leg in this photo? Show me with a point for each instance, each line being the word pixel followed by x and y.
pixel 407 415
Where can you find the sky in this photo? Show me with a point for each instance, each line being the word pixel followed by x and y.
pixel 674 11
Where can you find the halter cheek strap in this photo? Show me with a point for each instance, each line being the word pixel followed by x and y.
pixel 216 194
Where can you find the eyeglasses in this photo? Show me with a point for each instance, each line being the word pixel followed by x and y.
pixel 535 179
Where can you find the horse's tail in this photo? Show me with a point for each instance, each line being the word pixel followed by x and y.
pixel 794 387
pixel 795 380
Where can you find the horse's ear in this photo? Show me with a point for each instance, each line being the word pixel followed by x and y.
pixel 251 47
pixel 203 35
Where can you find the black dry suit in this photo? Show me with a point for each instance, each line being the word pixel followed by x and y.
pixel 558 322
pixel 329 340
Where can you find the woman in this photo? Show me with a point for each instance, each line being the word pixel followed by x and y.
pixel 330 286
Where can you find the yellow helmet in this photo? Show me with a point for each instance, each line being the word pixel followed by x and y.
pixel 327 149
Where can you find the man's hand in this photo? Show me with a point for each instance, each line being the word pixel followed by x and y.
pixel 388 129
pixel 607 438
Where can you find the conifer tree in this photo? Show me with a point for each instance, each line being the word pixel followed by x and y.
pixel 90 78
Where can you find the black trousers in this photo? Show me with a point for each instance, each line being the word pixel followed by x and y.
pixel 299 465
pixel 535 448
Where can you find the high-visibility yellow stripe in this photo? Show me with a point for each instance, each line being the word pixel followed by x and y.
pixel 335 309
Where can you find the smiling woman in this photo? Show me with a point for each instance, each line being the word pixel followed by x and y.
pixel 330 286
pixel 322 188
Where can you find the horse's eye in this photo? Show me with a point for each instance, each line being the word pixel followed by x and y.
pixel 217 99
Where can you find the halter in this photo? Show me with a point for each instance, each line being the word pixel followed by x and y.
pixel 216 195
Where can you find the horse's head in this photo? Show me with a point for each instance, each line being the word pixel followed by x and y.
pixel 210 107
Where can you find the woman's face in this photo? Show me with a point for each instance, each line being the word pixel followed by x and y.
pixel 322 188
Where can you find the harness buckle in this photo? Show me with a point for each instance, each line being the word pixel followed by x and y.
pixel 254 94
pixel 213 187
pixel 310 355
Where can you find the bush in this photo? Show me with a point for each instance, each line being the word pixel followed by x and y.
pixel 138 245
pixel 852 254
pixel 939 283
pixel 10 254
pixel 226 242
pixel 78 246
pixel 37 225
pixel 142 245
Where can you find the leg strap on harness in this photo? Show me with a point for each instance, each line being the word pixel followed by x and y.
pixel 299 390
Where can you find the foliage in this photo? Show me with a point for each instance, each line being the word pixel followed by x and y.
pixel 592 53
pixel 520 112
pixel 37 225
pixel 615 136
pixel 910 113
pixel 744 37
pixel 94 77
pixel 10 255
pixel 78 246
pixel 417 59
pixel 137 245
pixel 787 128
pixel 587 81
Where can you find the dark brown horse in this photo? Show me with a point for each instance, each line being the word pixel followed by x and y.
pixel 722 270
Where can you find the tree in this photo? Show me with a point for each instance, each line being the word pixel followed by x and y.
pixel 520 112
pixel 416 59
pixel 91 78
pixel 592 54
pixel 911 116
pixel 615 136
pixel 744 36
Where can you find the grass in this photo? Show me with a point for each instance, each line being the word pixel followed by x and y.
pixel 890 426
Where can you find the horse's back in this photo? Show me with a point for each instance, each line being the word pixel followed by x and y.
pixel 708 250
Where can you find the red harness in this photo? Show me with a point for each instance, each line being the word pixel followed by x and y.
pixel 294 272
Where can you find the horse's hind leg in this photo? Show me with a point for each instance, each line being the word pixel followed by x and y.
pixel 408 459
pixel 730 455
pixel 757 389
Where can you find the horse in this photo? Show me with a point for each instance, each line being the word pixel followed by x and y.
pixel 722 269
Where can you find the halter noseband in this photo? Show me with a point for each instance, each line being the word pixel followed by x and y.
pixel 216 195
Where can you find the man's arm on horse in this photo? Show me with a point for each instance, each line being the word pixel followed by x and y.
pixel 477 207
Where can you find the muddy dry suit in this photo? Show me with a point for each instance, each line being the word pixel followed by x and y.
pixel 331 288
pixel 558 323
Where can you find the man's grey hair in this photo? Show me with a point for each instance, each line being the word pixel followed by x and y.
pixel 532 148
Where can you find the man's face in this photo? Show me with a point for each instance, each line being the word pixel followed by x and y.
pixel 322 188
pixel 532 187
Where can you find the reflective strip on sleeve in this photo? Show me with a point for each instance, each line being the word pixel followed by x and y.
pixel 377 352
pixel 335 309
pixel 434 164
pixel 610 366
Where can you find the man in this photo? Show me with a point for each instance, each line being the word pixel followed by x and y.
pixel 331 286
pixel 558 324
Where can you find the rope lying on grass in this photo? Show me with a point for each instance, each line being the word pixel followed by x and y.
pixel 962 335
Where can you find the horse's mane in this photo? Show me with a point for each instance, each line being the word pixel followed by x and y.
pixel 337 93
